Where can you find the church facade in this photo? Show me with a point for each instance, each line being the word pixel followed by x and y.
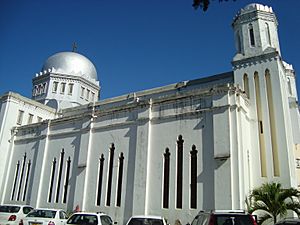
pixel 171 151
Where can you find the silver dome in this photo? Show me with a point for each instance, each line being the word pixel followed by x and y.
pixel 71 63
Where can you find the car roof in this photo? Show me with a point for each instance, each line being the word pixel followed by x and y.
pixel 224 212
pixel 90 213
pixel 147 217
pixel 49 209
pixel 16 205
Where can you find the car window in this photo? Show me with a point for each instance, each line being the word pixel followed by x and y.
pixel 83 219
pixel 9 208
pixel 105 220
pixel 42 213
pixel 233 220
pixel 145 221
pixel 26 210
pixel 62 215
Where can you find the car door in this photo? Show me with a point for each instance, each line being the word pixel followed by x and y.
pixel 62 217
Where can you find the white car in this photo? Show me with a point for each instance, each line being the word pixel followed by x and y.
pixel 13 214
pixel 45 217
pixel 147 220
pixel 89 218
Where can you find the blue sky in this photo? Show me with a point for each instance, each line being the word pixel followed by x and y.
pixel 134 44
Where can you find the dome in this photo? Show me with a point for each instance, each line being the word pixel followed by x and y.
pixel 71 63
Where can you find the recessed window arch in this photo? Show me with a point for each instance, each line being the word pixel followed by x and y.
pixel 238 43
pixel 289 85
pixel 246 84
pixel 251 35
pixel 268 36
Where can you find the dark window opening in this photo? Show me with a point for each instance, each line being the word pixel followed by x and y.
pixel 251 34
pixel 193 195
pixel 120 177
pixel 100 177
pixel 166 186
pixel 52 180
pixel 21 177
pixel 261 127
pixel 15 180
pixel 110 173
pixel 26 180
pixel 179 181
pixel 67 180
pixel 61 164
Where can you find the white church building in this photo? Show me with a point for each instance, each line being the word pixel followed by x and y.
pixel 170 151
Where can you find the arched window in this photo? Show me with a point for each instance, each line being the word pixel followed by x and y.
pixel 166 179
pixel 251 35
pixel 289 85
pixel 65 195
pixel 120 178
pixel 193 195
pixel 238 42
pixel 60 170
pixel 100 178
pixel 52 180
pixel 179 182
pixel 246 84
pixel 268 36
pixel 110 173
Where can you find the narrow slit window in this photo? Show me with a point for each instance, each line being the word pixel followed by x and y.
pixel 251 35
pixel 110 173
pixel 246 84
pixel 30 118
pixel 268 36
pixel 54 87
pixel 166 179
pixel 61 164
pixel 26 180
pixel 100 178
pixel 21 177
pixel 52 180
pixel 62 88
pixel 70 89
pixel 67 180
pixel 20 117
pixel 179 181
pixel 261 127
pixel 120 177
pixel 193 194
pixel 15 180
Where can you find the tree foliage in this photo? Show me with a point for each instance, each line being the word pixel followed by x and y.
pixel 203 4
pixel 272 201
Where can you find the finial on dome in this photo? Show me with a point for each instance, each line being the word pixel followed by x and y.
pixel 74 47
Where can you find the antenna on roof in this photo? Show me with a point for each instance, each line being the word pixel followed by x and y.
pixel 74 47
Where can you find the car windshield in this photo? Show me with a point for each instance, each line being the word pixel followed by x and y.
pixel 145 221
pixel 42 213
pixel 9 209
pixel 83 219
pixel 233 220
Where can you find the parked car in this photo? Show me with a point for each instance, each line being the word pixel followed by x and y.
pixel 45 217
pixel 89 218
pixel 147 220
pixel 289 221
pixel 224 217
pixel 13 214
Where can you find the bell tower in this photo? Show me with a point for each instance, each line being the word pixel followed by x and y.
pixel 255 29
pixel 269 97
